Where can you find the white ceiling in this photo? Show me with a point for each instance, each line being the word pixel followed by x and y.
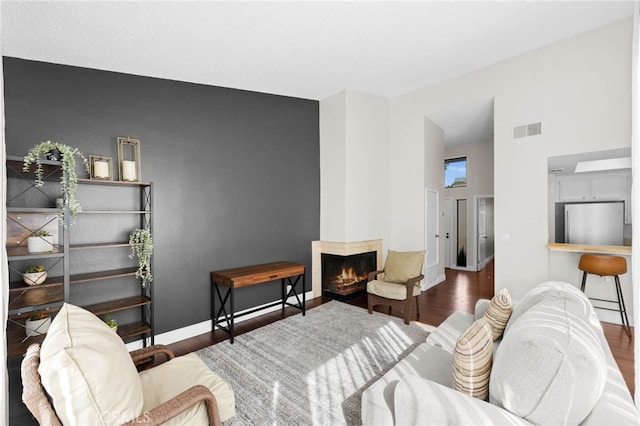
pixel 464 124
pixel 302 49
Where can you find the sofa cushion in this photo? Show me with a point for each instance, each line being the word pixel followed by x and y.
pixel 425 361
pixel 472 360
pixel 401 266
pixel 552 290
pixel 88 372
pixel 423 402
pixel 498 312
pixel 390 290
pixel 446 334
pixel 163 382
pixel 550 367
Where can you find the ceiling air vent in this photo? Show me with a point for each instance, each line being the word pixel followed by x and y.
pixel 527 130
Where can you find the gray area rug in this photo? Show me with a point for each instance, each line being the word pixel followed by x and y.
pixel 311 369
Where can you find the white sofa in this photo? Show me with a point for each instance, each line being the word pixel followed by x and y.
pixel 552 366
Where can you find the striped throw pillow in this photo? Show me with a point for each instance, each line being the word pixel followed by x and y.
pixel 472 360
pixel 498 313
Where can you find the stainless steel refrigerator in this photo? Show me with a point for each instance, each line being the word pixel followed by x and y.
pixel 594 223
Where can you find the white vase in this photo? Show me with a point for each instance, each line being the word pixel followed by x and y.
pixel 37 327
pixel 39 244
pixel 34 278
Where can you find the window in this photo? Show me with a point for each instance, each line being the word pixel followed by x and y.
pixel 455 172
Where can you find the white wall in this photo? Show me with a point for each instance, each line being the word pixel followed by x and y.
pixel 580 89
pixel 354 134
pixel 479 182
pixel 333 167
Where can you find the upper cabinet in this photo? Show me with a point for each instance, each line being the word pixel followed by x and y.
pixel 603 186
pixel 593 187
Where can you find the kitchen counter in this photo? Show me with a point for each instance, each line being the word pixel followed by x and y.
pixel 586 248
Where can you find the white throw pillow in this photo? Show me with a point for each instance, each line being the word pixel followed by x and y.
pixel 88 372
pixel 550 367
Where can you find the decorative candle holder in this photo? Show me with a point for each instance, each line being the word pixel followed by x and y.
pixel 129 159
pixel 100 167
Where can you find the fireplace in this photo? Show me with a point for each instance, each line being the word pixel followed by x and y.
pixel 346 275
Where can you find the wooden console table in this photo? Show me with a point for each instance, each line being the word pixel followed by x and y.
pixel 248 276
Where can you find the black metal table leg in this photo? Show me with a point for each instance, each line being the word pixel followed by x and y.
pixel 232 310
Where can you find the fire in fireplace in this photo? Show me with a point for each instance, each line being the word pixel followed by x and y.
pixel 346 275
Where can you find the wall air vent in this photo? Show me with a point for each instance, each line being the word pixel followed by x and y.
pixel 527 130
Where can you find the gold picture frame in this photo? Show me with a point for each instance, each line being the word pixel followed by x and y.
pixel 100 167
pixel 129 159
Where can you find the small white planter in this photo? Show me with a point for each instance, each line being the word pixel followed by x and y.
pixel 39 244
pixel 34 278
pixel 37 327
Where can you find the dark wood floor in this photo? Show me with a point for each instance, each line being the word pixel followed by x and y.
pixel 460 291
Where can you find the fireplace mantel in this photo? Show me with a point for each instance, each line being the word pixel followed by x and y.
pixel 342 249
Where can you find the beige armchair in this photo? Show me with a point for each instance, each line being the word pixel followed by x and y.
pixel 83 374
pixel 399 283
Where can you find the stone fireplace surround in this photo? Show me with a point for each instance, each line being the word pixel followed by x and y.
pixel 342 249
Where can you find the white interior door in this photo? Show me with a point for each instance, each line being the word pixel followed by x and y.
pixel 448 232
pixel 432 236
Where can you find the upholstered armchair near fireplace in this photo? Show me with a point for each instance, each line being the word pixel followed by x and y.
pixel 398 284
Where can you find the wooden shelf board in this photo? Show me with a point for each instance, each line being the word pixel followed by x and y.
pixel 51 210
pixel 22 253
pixel 117 305
pixel 23 313
pixel 18 286
pixel 98 245
pixel 134 329
pixel 111 182
pixel 115 212
pixel 102 275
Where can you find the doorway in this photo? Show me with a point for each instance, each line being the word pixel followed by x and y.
pixel 485 232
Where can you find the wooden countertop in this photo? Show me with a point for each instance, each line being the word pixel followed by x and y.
pixel 586 248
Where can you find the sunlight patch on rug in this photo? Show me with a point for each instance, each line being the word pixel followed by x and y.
pixel 311 369
pixel 352 369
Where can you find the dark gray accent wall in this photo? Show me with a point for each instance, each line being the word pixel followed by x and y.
pixel 236 174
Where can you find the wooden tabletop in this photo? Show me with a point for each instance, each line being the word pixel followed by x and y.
pixel 587 248
pixel 256 274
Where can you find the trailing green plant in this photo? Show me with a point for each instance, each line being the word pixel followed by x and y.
pixel 42 233
pixel 69 178
pixel 142 248
pixel 32 269
pixel 110 321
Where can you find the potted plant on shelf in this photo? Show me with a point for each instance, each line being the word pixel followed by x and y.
pixel 40 242
pixel 69 180
pixel 111 322
pixel 37 324
pixel 142 247
pixel 34 275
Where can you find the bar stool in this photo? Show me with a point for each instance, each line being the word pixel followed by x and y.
pixel 607 266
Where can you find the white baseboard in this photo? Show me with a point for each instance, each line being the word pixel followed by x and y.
pixel 203 327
